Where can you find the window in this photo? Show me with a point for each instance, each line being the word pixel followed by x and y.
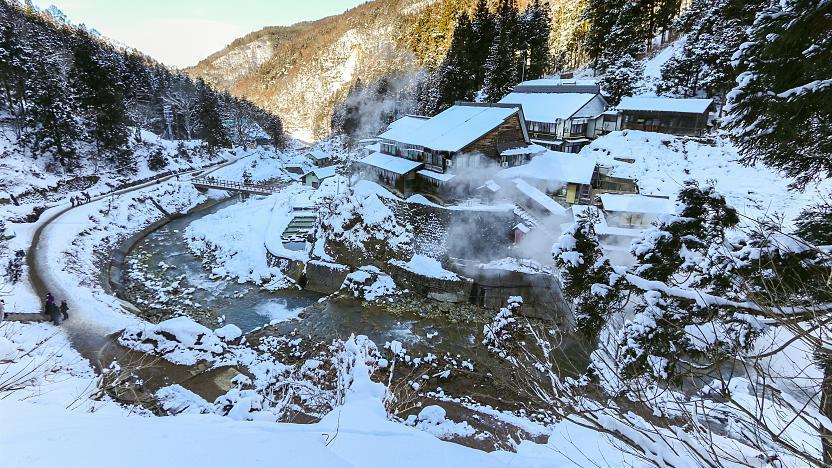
pixel 610 118
pixel 578 129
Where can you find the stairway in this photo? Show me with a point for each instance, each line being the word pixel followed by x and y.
pixel 299 227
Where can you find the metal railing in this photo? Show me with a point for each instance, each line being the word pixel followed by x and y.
pixel 234 185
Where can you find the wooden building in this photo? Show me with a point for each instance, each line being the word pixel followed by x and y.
pixel 434 149
pixel 562 114
pixel 665 115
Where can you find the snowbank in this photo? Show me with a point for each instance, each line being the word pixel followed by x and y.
pixel 664 162
pixel 179 340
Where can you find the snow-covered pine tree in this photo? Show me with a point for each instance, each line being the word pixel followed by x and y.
pixel 628 36
pixel 15 68
pixel 536 26
pixel 601 16
pixel 779 111
pixel 52 125
pixel 588 279
pixel 210 124
pixel 273 126
pixel 622 79
pixel 684 321
pixel 482 36
pixel 502 68
pixel 714 30
pixel 96 82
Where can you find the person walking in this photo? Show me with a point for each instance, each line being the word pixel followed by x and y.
pixel 53 312
pixel 86 196
pixel 64 310
pixel 72 200
pixel 2 310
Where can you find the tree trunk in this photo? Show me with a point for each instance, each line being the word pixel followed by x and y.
pixel 826 409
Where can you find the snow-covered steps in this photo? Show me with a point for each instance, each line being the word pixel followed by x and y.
pixel 300 225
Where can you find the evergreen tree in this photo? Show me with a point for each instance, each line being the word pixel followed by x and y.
pixel 622 79
pixel 587 276
pixel 502 68
pixel 96 81
pixel 455 79
pixel 628 36
pixel 714 30
pixel 537 24
pixel 52 122
pixel 15 69
pixel 779 111
pixel 482 36
pixel 211 129
pixel 601 15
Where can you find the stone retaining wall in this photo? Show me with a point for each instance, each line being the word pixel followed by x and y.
pixel 325 277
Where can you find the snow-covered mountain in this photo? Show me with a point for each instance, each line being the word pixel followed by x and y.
pixel 302 71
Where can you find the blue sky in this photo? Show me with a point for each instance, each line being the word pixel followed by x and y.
pixel 181 32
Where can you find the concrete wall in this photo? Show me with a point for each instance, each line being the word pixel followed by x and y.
pixel 325 277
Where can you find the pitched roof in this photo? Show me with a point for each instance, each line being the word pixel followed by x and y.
pixel 548 107
pixel 634 203
pixel 543 200
pixel 323 172
pixel 662 104
pixel 391 163
pixel 554 166
pixel 317 154
pixel 402 127
pixel 452 129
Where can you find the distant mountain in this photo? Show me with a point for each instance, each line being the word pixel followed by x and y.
pixel 302 71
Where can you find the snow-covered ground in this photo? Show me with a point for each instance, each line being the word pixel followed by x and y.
pixel 664 162
pixel 56 424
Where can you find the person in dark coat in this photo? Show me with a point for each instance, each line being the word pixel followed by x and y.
pixel 53 312
pixel 64 308
pixel 87 196
pixel 49 300
pixel 72 200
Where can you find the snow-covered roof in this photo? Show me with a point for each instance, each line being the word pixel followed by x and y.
pixel 548 107
pixel 554 166
pixel 452 129
pixel 559 82
pixel 402 127
pixel 526 149
pixel 317 154
pixel 539 197
pixel 522 228
pixel 323 172
pixel 391 163
pixel 440 176
pixel 662 104
pixel 491 185
pixel 634 203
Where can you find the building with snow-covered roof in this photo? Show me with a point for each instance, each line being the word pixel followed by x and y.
pixel 397 174
pixel 561 114
pixel 563 175
pixel 318 157
pixel 665 115
pixel 314 177
pixel 634 210
pixel 435 146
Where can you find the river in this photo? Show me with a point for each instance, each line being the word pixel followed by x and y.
pixel 162 259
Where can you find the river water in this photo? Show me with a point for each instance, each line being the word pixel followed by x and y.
pixel 163 258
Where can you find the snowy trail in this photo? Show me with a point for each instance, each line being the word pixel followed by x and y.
pixel 86 334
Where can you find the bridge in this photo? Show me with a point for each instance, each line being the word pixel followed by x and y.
pixel 204 183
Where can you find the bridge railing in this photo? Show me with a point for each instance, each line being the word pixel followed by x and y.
pixel 232 184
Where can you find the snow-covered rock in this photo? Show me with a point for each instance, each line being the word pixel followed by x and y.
pixel 179 340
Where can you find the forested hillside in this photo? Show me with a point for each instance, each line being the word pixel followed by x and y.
pixel 70 96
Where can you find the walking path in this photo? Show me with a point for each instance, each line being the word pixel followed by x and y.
pixel 88 337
